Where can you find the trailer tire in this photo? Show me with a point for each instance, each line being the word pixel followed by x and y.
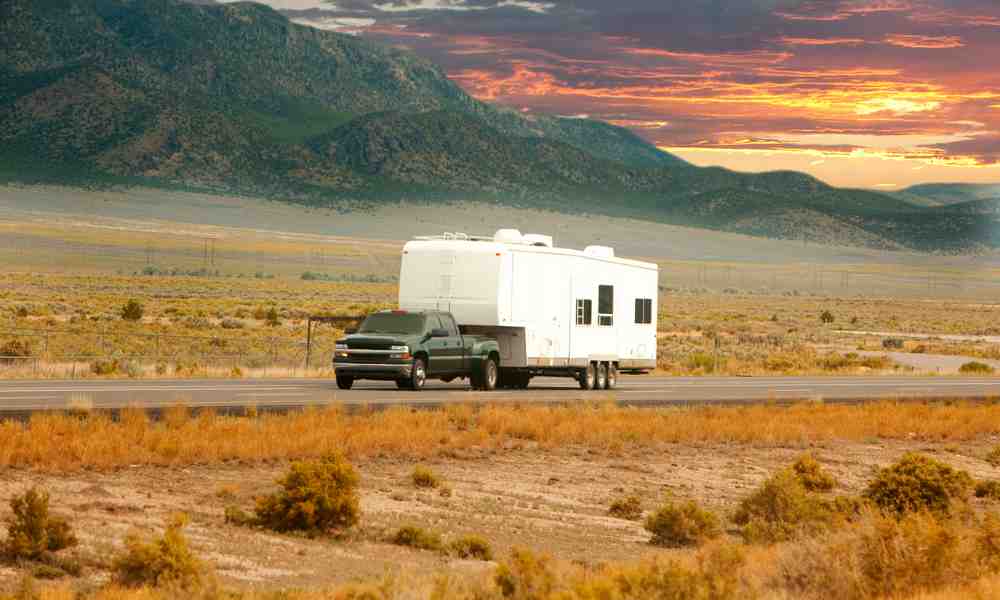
pixel 601 380
pixel 611 382
pixel 586 377
pixel 345 382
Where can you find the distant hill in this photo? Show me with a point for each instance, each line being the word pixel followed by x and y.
pixel 943 194
pixel 235 98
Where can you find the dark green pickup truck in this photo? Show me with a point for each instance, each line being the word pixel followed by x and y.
pixel 412 347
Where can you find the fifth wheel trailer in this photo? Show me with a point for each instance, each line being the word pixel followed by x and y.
pixel 553 311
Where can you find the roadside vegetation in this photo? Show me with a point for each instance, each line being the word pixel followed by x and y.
pixel 94 440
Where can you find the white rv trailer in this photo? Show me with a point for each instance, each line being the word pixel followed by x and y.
pixel 554 311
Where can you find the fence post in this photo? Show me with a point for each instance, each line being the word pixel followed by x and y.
pixel 309 330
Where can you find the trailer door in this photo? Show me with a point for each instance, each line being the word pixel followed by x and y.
pixel 447 275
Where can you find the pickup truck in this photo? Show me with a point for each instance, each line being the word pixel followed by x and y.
pixel 412 347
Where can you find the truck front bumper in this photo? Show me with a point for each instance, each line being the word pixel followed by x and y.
pixel 383 371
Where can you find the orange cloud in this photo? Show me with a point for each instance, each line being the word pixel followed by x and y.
pixel 831 41
pixel 924 41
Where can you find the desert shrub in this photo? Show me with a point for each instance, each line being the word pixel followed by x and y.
pixel 416 537
pixel 471 546
pixel 628 508
pixel 918 483
pixel 884 557
pixel 423 477
pixel 32 531
pixel 132 368
pixel 104 366
pixel 232 324
pixel 132 310
pixel 716 575
pixel 892 343
pixel 827 317
pixel 525 576
pixel 782 508
pixel 161 561
pixel 13 350
pixel 976 368
pixel 234 515
pixel 811 474
pixel 684 524
pixel 271 318
pixel 703 361
pixel 993 456
pixel 314 496
pixel 988 489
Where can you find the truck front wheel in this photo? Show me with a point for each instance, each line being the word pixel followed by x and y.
pixel 345 382
pixel 417 378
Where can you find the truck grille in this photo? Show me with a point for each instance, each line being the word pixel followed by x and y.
pixel 367 359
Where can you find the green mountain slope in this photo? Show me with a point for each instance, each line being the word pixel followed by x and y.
pixel 234 97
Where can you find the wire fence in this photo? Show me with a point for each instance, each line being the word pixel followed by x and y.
pixel 82 352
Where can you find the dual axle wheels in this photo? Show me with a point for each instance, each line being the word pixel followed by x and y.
pixel 599 376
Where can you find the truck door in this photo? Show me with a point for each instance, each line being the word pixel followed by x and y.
pixel 438 348
pixel 458 353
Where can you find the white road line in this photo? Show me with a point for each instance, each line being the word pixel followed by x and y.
pixel 281 394
pixel 30 398
pixel 148 389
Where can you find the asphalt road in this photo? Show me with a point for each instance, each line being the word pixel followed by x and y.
pixel 22 397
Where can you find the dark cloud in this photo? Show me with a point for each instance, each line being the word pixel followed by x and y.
pixel 697 72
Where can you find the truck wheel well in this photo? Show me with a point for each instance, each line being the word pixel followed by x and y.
pixel 495 356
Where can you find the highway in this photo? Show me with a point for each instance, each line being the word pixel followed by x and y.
pixel 24 397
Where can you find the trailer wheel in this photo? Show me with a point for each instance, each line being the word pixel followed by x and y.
pixel 586 377
pixel 602 376
pixel 612 380
pixel 345 382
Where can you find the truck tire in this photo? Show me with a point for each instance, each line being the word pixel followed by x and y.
pixel 601 379
pixel 490 375
pixel 523 380
pixel 586 377
pixel 418 375
pixel 612 380
pixel 345 382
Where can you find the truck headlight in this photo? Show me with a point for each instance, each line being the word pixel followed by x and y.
pixel 400 348
pixel 341 347
pixel 400 352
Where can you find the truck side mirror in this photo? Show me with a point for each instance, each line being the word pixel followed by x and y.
pixel 439 333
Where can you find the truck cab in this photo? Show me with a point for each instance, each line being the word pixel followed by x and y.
pixel 410 347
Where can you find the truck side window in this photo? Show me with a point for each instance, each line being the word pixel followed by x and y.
pixel 584 310
pixel 434 322
pixel 605 305
pixel 643 311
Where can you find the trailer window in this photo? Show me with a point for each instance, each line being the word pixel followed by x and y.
pixel 643 311
pixel 584 310
pixel 605 305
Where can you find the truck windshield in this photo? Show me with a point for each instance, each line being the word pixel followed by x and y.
pixel 393 323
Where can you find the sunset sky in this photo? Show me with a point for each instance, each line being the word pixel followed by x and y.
pixel 873 93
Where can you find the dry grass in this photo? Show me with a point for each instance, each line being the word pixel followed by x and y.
pixel 95 440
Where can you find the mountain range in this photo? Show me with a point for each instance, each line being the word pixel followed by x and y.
pixel 235 98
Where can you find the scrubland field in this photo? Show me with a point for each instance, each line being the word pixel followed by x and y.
pixel 587 502
pixel 533 502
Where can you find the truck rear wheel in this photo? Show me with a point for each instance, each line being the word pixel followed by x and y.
pixel 586 377
pixel 612 380
pixel 602 376
pixel 490 376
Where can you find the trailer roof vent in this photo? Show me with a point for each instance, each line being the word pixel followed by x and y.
pixel 508 236
pixel 537 239
pixel 601 251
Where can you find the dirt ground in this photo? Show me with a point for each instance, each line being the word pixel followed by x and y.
pixel 551 501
